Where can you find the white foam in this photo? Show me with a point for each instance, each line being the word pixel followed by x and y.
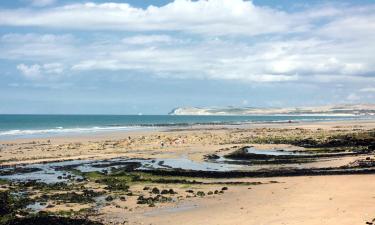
pixel 61 130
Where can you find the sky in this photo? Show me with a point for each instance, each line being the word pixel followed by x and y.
pixel 138 56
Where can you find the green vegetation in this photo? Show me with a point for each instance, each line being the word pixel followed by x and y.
pixel 318 140
pixel 10 205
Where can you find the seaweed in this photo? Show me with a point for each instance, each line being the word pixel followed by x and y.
pixel 48 220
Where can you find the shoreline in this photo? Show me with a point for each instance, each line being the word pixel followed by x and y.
pixel 56 132
pixel 246 125
pixel 99 139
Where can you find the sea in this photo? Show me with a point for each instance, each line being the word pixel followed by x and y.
pixel 31 126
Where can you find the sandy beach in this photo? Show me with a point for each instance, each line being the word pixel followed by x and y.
pixel 297 199
pixel 194 141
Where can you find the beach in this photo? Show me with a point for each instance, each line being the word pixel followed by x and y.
pixel 294 173
pixel 193 112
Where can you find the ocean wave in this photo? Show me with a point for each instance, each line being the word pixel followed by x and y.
pixel 61 130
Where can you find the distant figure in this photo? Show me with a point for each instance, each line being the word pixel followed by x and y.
pixel 289 121
pixel 162 144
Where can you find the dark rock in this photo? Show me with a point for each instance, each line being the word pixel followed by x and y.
pixel 155 190
pixel 163 192
pixel 109 198
pixel 49 220
pixel 200 193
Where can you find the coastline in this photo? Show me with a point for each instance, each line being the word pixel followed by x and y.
pixel 19 126
pixel 118 135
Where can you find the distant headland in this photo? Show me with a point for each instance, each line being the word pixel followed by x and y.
pixel 344 110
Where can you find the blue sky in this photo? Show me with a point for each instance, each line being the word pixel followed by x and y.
pixel 127 57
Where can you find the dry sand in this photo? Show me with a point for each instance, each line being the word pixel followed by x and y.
pixel 344 200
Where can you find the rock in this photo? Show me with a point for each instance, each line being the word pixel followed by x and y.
pixel 141 200
pixel 210 193
pixel 212 157
pixel 155 190
pixel 163 192
pixel 200 193
pixel 146 188
pixel 224 189
pixel 109 198
pixel 122 198
pixel 216 192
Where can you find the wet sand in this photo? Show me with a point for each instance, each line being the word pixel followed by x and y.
pixel 194 141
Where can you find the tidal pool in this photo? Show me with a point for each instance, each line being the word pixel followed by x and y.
pixel 276 152
pixel 59 171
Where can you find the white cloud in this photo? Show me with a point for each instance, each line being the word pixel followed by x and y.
pixel 229 40
pixel 217 17
pixel 54 68
pixel 311 60
pixel 33 46
pixel 368 89
pixel 31 72
pixel 37 71
pixel 148 39
pixel 351 26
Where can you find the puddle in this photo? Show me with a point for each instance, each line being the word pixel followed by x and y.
pixel 175 209
pixel 275 152
pixel 56 172
pixel 249 160
pixel 46 173
pixel 37 206
pixel 187 164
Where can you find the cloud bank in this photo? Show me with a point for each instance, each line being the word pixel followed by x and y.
pixel 205 39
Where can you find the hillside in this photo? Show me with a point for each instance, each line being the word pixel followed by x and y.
pixel 347 109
